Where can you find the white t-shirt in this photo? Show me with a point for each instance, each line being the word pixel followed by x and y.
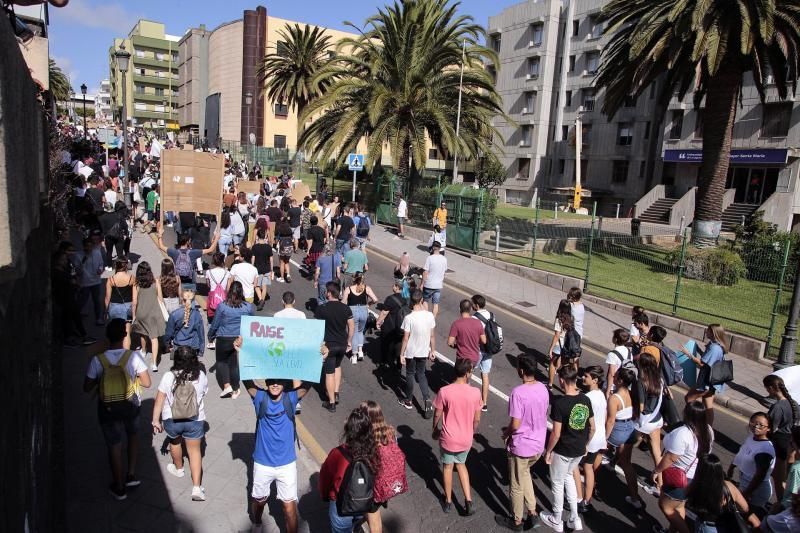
pixel 200 388
pixel 578 313
pixel 217 276
pixel 135 366
pixel 745 457
pixel 634 331
pixel 435 266
pixel 613 359
pixel 561 334
pixel 600 410
pixel 419 325
pixel 237 224
pixel 111 197
pixel 290 312
pixel 246 274
pixel 402 209
pixel 682 442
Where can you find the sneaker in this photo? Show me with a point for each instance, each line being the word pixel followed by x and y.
pixel 575 524
pixel 636 503
pixel 198 494
pixel 428 410
pixel 470 508
pixel 551 521
pixel 175 471
pixel 650 489
pixel 447 506
pixel 211 345
pixel 227 391
pixel 279 280
pixel 507 522
pixel 336 398
pixel 288 279
pixel 406 403
pixel 584 507
pixel 298 409
pixel 118 494
pixel 236 394
pixel 531 521
pixel 132 481
pixel 485 408
pixel 107 269
pixel 154 367
pixel 331 407
pixel 360 355
pixel 353 359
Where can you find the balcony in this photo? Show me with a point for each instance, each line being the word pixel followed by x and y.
pixel 150 97
pixel 155 80
pixel 153 62
pixel 155 115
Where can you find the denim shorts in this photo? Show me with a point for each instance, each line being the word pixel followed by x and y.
pixel 114 427
pixel 116 310
pixel 677 494
pixel 624 432
pixel 449 458
pixel 484 363
pixel 188 429
pixel 432 295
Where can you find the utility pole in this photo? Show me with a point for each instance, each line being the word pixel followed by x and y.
pixel 123 57
pixel 83 92
pixel 576 200
pixel 786 356
pixel 458 114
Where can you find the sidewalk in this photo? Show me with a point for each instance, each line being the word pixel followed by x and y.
pixel 538 303
pixel 163 502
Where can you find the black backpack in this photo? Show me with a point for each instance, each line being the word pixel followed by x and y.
pixel 671 368
pixel 400 313
pixel 356 490
pixel 572 344
pixel 494 338
pixel 362 230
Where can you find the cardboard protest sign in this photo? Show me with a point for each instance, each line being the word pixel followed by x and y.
pixel 191 181
pixel 281 348
pixel 142 143
pixel 249 187
pixel 300 191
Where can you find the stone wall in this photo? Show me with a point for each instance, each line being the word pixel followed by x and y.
pixel 31 451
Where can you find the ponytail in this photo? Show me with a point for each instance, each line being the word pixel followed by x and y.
pixel 795 407
pixel 188 297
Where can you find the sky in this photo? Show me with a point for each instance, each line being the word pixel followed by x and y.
pixel 82 32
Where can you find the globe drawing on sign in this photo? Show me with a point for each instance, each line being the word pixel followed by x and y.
pixel 276 349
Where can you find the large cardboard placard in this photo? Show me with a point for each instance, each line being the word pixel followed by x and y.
pixel 191 181
pixel 249 187
pixel 300 191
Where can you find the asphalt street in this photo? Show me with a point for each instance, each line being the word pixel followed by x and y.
pixel 420 510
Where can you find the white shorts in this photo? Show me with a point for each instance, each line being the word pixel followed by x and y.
pixel 284 476
pixel 296 233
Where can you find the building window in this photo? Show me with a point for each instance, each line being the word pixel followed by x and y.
pixel 142 72
pixel 139 106
pixel 624 134
pixel 138 89
pixel 159 91
pixel 533 67
pixel 676 124
pixel 698 123
pixel 433 153
pixel 646 130
pixel 161 56
pixel 630 101
pixel 597 27
pixel 279 141
pixel 776 119
pixel 592 62
pixel 496 43
pixel 568 98
pixel 619 171
pixel 525 139
pixel 530 101
pixel 588 98
pixel 561 165
pixel 139 53
pixel 174 58
pixel 571 63
pixel 537 31
pixel 281 110
pixel 524 167
pixel 576 27
pixel 564 133
pixel 642 168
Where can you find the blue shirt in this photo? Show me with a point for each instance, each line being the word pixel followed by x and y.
pixel 274 431
pixel 711 356
pixel 228 320
pixel 193 335
pixel 327 267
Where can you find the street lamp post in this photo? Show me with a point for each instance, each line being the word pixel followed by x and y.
pixel 168 111
pixel 71 105
pixel 83 92
pixel 786 356
pixel 123 57
pixel 248 101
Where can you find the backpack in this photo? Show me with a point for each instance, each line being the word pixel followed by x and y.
pixel 625 363
pixel 391 480
pixel 288 409
pixel 117 388
pixel 286 246
pixel 671 368
pixel 184 403
pixel 356 491
pixel 216 296
pixel 403 310
pixel 183 264
pixel 572 345
pixel 362 229
pixel 494 334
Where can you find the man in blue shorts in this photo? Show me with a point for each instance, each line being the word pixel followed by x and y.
pixel 433 277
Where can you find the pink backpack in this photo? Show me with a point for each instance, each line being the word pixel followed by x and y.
pixel 216 296
pixel 391 479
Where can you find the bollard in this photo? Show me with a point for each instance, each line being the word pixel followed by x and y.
pixel 742 220
pixel 497 237
pixel 683 223
pixel 617 215
pixel 555 211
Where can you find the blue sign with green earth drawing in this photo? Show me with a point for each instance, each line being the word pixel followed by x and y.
pixel 281 348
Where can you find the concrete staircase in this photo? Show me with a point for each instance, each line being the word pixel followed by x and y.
pixel 658 213
pixel 732 216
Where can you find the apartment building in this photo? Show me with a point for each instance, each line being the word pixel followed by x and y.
pixel 102 103
pixel 152 78
pixel 549 54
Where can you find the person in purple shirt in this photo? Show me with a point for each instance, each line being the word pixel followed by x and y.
pixel 525 437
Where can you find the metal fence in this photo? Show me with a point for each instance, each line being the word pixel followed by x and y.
pixel 745 288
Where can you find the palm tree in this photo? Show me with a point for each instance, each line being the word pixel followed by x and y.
pixel 288 74
pixel 60 86
pixel 707 46
pixel 399 82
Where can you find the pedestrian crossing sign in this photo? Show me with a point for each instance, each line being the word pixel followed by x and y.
pixel 355 162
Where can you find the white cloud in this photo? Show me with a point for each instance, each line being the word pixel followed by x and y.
pixel 66 66
pixel 108 15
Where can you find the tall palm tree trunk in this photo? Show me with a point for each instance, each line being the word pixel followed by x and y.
pixel 404 170
pixel 719 114
pixel 300 127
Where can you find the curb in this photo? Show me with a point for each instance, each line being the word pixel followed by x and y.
pixel 721 400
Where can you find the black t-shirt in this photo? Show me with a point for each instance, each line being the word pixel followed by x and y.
pixel 335 315
pixel 262 252
pixel 392 303
pixel 574 413
pixel 201 237
pixel 294 216
pixel 318 235
pixel 96 197
pixel 346 225
pixel 275 215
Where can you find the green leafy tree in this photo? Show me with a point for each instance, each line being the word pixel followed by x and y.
pixel 707 46
pixel 60 86
pixel 289 73
pixel 491 173
pixel 398 84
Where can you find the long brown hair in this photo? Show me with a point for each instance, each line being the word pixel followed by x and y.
pixel 384 433
pixel 168 279
pixel 359 438
pixel 719 336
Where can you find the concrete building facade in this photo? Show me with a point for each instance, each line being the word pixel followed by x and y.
pixel 102 102
pixel 152 78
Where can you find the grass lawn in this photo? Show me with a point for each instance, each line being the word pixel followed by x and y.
pixel 528 213
pixel 640 276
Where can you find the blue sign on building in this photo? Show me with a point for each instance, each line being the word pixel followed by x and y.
pixel 771 156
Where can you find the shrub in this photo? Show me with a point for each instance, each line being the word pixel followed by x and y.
pixel 721 265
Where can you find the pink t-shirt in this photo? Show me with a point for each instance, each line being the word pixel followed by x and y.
pixel 528 404
pixel 459 402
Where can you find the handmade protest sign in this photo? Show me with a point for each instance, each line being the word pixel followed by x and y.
pixel 191 181
pixel 281 348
